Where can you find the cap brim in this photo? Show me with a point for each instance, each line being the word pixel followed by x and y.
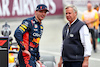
pixel 43 9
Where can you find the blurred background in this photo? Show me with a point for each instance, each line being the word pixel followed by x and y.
pixel 14 11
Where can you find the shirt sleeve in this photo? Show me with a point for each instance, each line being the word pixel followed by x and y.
pixel 96 23
pixel 61 49
pixel 85 40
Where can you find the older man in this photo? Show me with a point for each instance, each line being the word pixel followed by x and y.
pixel 76 48
pixel 90 17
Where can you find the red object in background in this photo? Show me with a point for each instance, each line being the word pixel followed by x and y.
pixel 26 8
pixel 2 42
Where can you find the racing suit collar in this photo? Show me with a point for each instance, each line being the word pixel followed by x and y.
pixel 37 20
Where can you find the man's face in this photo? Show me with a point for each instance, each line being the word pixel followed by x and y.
pixel 89 6
pixel 97 8
pixel 70 14
pixel 41 14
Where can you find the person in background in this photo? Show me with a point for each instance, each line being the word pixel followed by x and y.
pixel 99 22
pixel 96 25
pixel 28 35
pixel 76 45
pixel 90 17
pixel 99 13
pixel 99 9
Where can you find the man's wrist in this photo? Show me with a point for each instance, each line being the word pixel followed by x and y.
pixel 86 58
pixel 38 58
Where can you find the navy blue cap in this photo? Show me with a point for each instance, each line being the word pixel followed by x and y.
pixel 42 7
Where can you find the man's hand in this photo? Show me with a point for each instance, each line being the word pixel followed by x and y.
pixel 27 52
pixel 39 62
pixel 85 62
pixel 87 22
pixel 60 62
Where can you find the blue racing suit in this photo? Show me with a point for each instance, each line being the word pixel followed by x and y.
pixel 28 35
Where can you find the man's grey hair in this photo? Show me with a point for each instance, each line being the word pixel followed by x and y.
pixel 71 6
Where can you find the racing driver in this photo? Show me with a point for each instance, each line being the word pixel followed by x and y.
pixel 28 35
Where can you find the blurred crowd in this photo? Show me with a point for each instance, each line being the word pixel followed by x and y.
pixel 97 8
pixel 92 19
